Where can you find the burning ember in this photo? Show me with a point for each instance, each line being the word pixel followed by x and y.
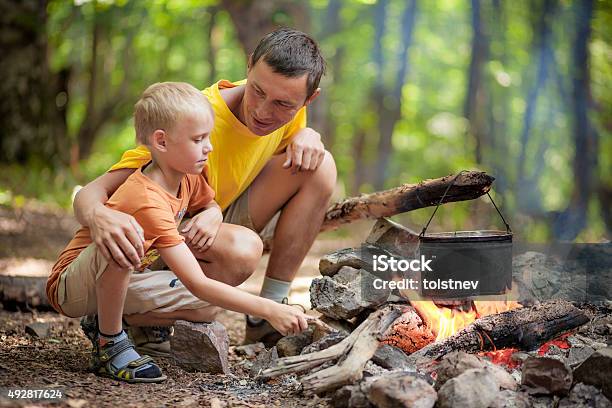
pixel 503 357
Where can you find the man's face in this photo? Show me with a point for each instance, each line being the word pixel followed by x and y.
pixel 271 100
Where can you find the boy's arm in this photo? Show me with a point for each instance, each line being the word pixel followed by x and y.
pixel 284 318
pixel 201 230
pixel 118 236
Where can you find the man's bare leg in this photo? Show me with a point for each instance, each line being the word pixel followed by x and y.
pixel 303 198
pixel 234 255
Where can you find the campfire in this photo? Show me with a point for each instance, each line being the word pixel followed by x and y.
pixel 400 348
pixel 446 321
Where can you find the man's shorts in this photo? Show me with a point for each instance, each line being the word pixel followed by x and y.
pixel 148 291
pixel 238 213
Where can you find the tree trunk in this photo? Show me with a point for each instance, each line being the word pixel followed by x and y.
pixel 211 50
pixel 571 221
pixel 541 44
pixel 320 113
pixel 254 19
pixel 34 99
pixel 389 101
pixel 477 100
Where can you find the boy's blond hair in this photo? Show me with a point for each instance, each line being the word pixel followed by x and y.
pixel 163 104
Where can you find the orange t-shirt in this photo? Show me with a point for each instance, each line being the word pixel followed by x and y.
pixel 158 212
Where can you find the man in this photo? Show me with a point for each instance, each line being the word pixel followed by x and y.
pixel 270 172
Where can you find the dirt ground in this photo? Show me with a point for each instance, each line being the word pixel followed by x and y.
pixel 30 239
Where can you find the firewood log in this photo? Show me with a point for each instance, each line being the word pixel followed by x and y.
pixel 351 353
pixel 524 328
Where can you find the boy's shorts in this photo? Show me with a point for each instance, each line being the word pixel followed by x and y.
pixel 238 213
pixel 148 291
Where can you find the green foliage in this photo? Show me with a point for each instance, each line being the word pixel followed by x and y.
pixel 145 42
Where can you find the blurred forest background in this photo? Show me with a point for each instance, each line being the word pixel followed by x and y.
pixel 415 89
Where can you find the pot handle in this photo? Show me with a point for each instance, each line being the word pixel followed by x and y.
pixel 508 230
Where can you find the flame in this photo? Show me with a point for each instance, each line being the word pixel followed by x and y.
pixel 445 321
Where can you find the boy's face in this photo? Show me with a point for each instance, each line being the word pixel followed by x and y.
pixel 188 143
pixel 271 100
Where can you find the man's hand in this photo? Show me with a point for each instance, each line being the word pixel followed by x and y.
pixel 288 320
pixel 200 231
pixel 305 152
pixel 118 236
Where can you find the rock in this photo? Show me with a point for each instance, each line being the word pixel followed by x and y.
pixel 519 356
pixel 351 396
pixel 585 396
pixel 457 362
pixel 536 275
pixel 577 355
pixel 249 350
pixel 371 370
pixel 454 364
pixel 511 399
pixel 346 294
pixel 264 360
pixel 394 237
pixel 390 357
pixel 596 370
pixel 200 346
pixel 358 258
pixel 543 401
pixel 401 390
pixel 38 329
pixel 325 342
pixel 293 345
pixel 503 378
pixel 543 375
pixel 475 388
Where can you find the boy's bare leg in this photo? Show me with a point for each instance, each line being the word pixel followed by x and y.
pixel 111 289
pixel 304 198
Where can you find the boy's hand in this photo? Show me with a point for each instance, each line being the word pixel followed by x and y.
pixel 288 320
pixel 305 152
pixel 118 236
pixel 200 232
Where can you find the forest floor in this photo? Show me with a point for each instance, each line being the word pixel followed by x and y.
pixel 30 239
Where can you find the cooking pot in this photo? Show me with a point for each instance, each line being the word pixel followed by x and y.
pixel 472 263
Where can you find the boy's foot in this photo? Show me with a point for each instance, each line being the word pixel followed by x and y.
pixel 259 330
pixel 154 341
pixel 117 359
pixel 89 325
pixel 151 340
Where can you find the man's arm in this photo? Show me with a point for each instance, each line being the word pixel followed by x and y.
pixel 201 230
pixel 305 151
pixel 284 318
pixel 118 235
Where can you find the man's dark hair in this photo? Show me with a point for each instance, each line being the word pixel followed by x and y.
pixel 291 53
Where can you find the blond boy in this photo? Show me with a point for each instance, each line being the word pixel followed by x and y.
pixel 174 121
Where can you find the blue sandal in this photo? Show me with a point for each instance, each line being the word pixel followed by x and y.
pixel 141 370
